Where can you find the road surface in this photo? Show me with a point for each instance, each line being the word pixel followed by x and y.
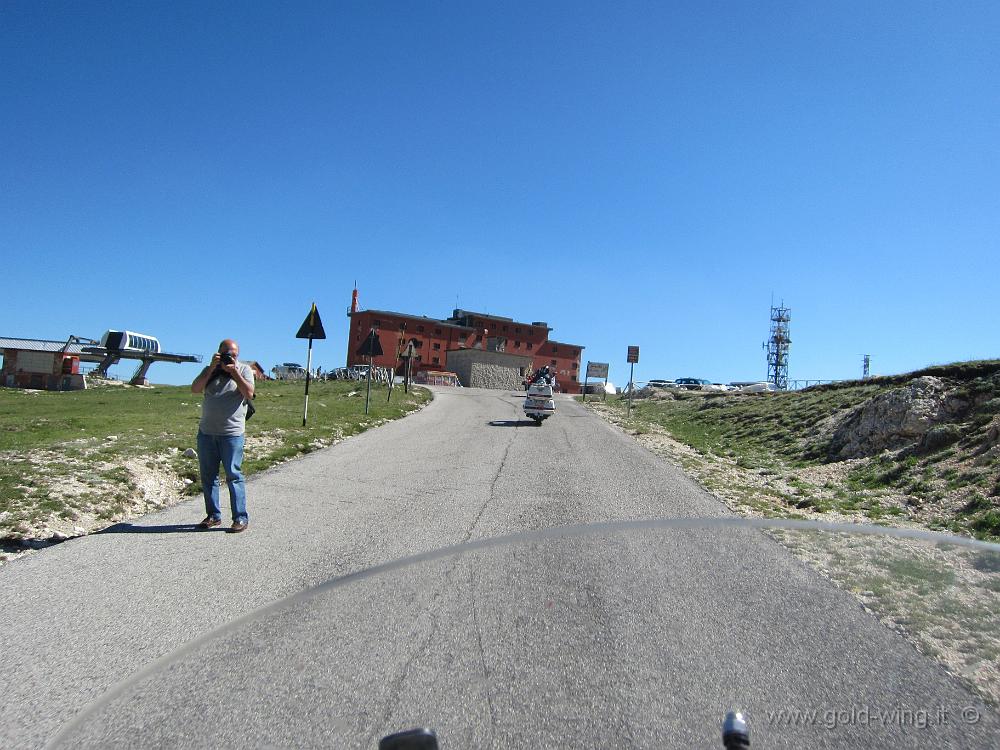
pixel 632 639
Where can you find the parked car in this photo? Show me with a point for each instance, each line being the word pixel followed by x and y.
pixel 692 384
pixel 656 383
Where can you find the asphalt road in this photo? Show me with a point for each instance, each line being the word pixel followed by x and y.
pixel 144 636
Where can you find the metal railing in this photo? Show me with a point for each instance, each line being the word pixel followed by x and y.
pixel 379 374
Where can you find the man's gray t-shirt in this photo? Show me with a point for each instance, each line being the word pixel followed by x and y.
pixel 223 411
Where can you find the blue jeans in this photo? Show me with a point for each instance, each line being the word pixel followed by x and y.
pixel 227 449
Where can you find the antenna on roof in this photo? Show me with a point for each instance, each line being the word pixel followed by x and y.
pixel 354 300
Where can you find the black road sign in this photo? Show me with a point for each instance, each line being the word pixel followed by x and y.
pixel 312 326
pixel 371 347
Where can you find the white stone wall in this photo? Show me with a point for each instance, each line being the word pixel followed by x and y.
pixel 482 369
pixel 495 376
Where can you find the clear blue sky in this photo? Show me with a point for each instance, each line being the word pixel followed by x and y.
pixel 632 173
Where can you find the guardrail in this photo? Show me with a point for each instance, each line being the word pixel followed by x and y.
pixel 379 374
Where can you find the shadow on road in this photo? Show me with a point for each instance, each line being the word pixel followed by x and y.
pixel 179 528
pixel 511 423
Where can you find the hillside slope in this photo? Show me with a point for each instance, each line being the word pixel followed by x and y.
pixel 920 448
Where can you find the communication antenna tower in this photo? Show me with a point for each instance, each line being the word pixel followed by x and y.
pixel 776 347
pixel 867 366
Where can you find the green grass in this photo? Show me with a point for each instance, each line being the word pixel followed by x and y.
pixel 780 433
pixel 72 435
pixel 761 429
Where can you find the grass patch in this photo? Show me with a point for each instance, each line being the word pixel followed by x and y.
pixel 85 437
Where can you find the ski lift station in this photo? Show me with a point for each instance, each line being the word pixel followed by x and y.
pixel 55 365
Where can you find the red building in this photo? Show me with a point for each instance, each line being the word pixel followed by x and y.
pixel 433 338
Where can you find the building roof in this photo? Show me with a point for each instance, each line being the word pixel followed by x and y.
pixel 96 353
pixel 457 313
pixel 563 343
pixel 450 322
pixel 408 316
pixel 460 314
pixel 39 345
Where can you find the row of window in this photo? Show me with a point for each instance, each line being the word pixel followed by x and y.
pixel 142 342
pixel 487 323
pixel 420 328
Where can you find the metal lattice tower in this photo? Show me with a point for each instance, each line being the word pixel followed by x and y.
pixel 777 347
pixel 866 370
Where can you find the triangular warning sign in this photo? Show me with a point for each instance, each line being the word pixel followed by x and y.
pixel 371 347
pixel 312 326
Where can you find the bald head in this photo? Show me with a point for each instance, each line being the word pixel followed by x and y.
pixel 229 345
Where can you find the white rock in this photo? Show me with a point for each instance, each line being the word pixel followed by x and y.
pixel 111 437
pixel 190 453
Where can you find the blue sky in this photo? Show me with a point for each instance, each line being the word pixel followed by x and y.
pixel 631 173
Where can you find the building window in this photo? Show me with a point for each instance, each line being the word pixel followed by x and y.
pixel 555 349
pixel 574 365
pixel 378 323
pixel 529 346
pixel 553 362
pixel 437 331
pixel 517 344
pixel 435 361
pixel 420 329
pixel 437 345
pixel 517 330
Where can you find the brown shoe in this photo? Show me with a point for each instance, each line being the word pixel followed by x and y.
pixel 209 522
pixel 237 527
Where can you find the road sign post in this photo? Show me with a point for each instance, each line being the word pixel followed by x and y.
pixel 371 348
pixel 399 353
pixel 633 357
pixel 311 328
pixel 596 370
pixel 368 392
pixel 408 353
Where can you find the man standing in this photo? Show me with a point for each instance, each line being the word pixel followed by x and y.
pixel 228 386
